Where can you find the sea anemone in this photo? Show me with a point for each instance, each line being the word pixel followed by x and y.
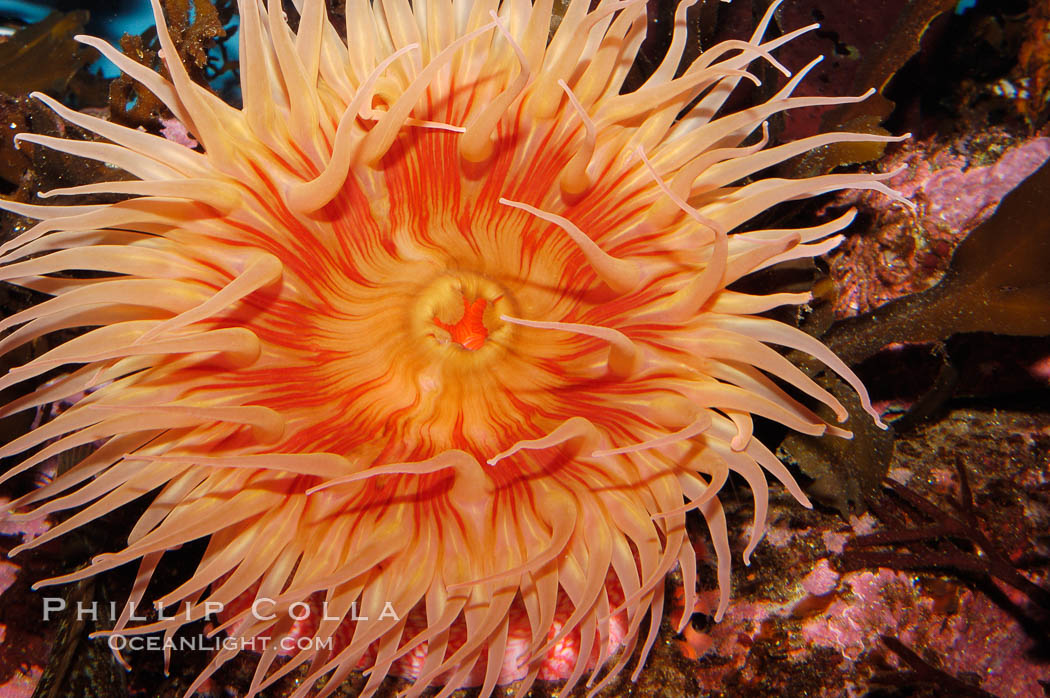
pixel 438 321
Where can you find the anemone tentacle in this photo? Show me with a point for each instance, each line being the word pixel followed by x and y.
pixel 438 319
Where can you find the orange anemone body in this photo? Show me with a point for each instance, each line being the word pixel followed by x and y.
pixel 439 319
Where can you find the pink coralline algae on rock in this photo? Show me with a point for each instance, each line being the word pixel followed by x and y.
pixel 954 189
pixel 827 624
pixel 23 645
pixel 174 130
pixel 821 579
pixel 978 638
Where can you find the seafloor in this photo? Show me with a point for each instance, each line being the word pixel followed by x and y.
pixel 924 569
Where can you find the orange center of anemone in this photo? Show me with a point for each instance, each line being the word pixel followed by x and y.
pixel 456 311
pixel 469 331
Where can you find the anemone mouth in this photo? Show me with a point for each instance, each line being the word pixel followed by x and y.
pixel 464 311
pixel 440 319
